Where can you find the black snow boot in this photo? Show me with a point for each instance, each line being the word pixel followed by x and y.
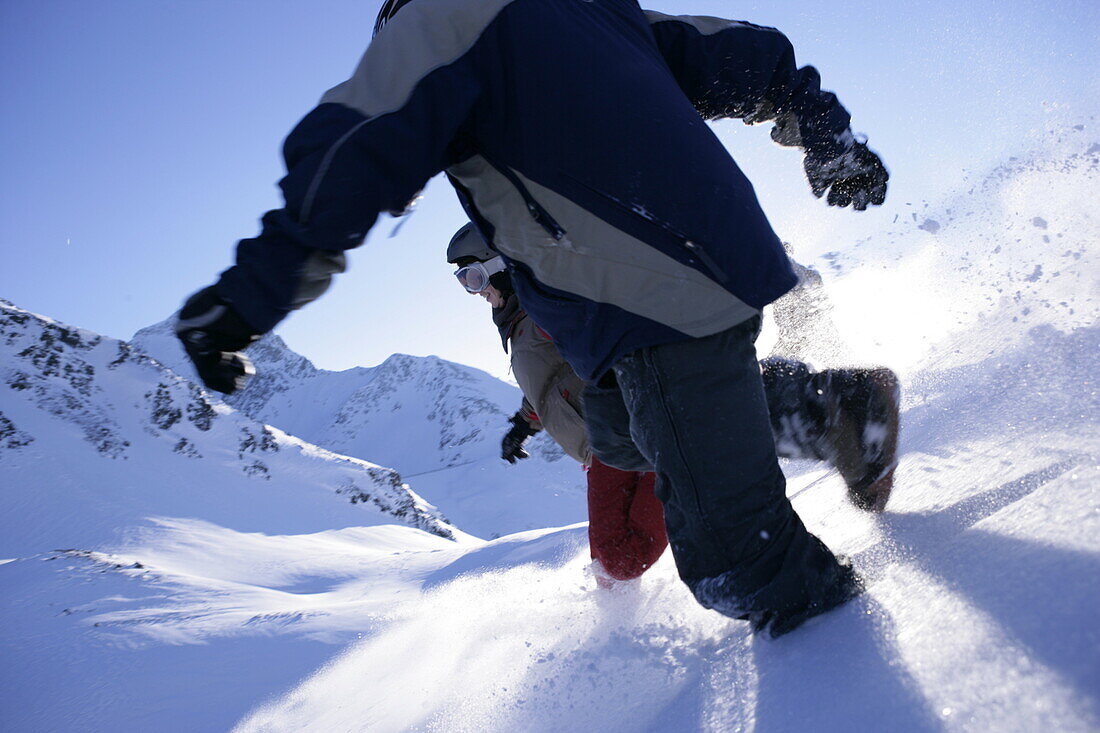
pixel 846 585
pixel 847 417
pixel 861 433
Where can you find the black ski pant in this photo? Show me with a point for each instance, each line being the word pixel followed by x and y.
pixel 696 411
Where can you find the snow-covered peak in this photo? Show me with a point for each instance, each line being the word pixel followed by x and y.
pixel 160 341
pixel 436 422
pixel 415 413
pixel 123 437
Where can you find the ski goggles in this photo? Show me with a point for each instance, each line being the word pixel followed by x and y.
pixel 475 277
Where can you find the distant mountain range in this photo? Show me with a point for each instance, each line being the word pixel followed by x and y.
pixel 96 428
pixel 436 422
pixel 79 411
pixel 415 414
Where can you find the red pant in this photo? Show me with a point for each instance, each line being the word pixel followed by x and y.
pixel 626 522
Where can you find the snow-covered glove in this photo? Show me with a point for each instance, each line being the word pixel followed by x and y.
pixel 213 334
pixel 855 176
pixel 511 448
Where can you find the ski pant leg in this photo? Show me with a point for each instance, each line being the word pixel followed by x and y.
pixel 698 412
pixel 608 424
pixel 626 525
pixel 796 405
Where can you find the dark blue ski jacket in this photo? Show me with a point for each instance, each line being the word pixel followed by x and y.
pixel 575 134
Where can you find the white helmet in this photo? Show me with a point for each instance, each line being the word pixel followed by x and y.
pixel 468 243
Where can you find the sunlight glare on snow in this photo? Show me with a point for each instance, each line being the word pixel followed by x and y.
pixel 886 317
pixel 500 651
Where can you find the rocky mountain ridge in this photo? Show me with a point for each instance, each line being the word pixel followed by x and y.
pixel 77 403
pixel 416 414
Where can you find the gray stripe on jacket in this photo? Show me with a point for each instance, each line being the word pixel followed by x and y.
pixel 424 36
pixel 596 260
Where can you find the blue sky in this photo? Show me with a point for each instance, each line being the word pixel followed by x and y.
pixel 142 138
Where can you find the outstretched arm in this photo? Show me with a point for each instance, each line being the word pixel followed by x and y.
pixel 745 71
pixel 368 147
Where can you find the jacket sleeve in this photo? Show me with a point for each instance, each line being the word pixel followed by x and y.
pixel 529 414
pixel 736 69
pixel 368 147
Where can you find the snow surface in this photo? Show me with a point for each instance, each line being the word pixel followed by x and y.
pixel 149 590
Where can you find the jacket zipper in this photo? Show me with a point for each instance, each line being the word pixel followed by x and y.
pixel 534 208
pixel 695 249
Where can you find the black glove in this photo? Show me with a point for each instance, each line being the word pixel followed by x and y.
pixel 855 177
pixel 212 333
pixel 511 448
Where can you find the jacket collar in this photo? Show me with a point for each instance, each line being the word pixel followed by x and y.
pixel 506 317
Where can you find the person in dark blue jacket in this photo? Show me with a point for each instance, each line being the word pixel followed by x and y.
pixel 575 136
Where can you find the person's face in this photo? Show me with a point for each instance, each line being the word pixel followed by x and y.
pixel 492 296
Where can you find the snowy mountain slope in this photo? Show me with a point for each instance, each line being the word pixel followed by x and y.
pixel 188 638
pixel 984 574
pixel 438 423
pixel 957 281
pixel 96 436
pixel 978 618
pixel 453 409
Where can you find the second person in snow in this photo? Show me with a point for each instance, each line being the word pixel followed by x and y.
pixel 845 417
